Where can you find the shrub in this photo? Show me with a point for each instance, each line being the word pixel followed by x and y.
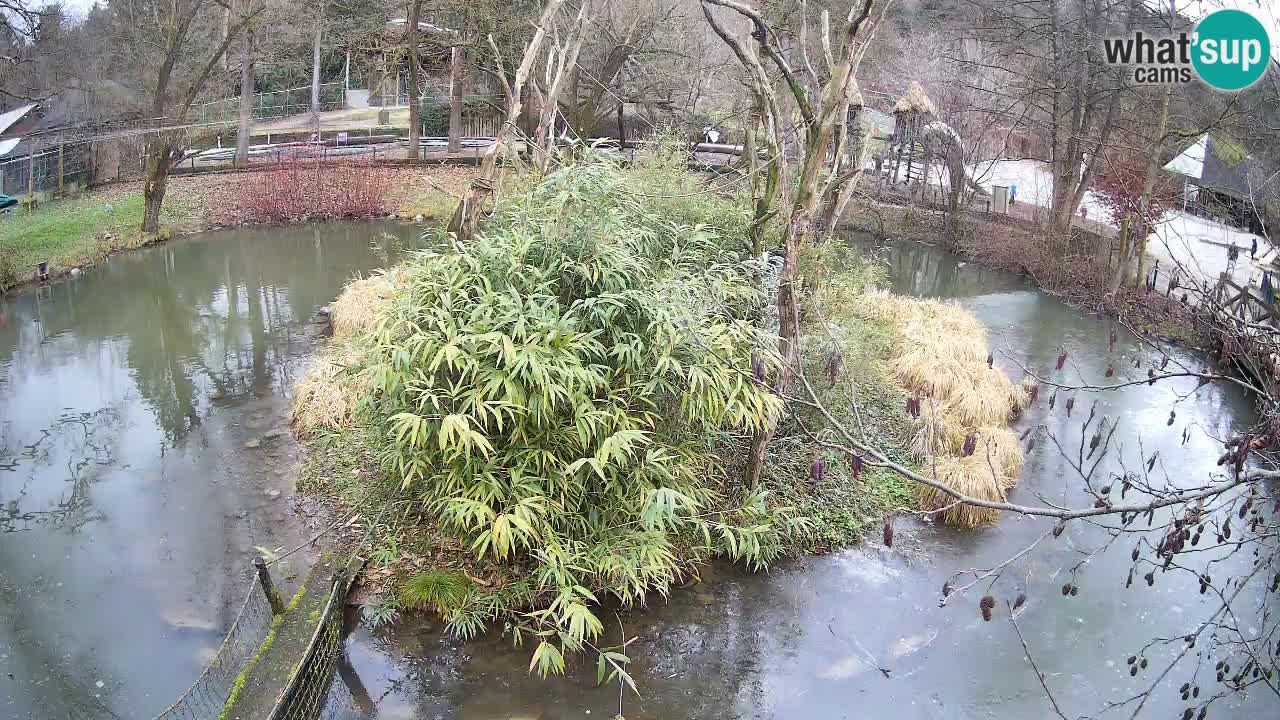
pixel 553 392
pixel 303 189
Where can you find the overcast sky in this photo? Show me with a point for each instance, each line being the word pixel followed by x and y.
pixel 1268 11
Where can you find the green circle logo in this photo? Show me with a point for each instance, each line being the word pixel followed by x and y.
pixel 1232 50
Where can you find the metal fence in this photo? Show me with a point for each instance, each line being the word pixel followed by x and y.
pixel 206 697
pixel 60 168
pixel 308 688
pixel 270 105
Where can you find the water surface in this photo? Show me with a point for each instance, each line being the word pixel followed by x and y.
pixel 144 452
pixel 860 634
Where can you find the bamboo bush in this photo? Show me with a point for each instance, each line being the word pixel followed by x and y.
pixel 548 390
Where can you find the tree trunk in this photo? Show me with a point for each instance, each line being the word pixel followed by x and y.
pixel 315 73
pixel 457 68
pixel 159 151
pixel 1139 243
pixel 415 130
pixel 1137 240
pixel 246 102
pixel 1123 255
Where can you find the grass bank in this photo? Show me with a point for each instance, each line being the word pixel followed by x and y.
pixel 85 230
pixel 554 416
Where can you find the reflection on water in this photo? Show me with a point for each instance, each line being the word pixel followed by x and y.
pixel 859 634
pixel 142 422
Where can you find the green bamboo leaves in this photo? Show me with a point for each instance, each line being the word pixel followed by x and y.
pixel 551 388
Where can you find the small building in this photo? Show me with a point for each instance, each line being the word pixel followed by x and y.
pixel 1222 182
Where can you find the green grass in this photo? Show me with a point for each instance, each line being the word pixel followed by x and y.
pixel 65 233
pixel 843 508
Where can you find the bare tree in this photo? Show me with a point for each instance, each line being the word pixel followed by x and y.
pixel 1052 81
pixel 167 45
pixel 561 63
pixel 823 108
pixel 483 190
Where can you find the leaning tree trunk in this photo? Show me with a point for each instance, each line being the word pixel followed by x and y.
pixel 482 194
pixel 160 150
pixel 799 232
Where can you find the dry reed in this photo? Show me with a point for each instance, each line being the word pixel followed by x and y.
pixel 932 436
pixel 915 100
pixel 975 476
pixel 330 390
pixel 328 393
pixel 941 355
pixel 356 310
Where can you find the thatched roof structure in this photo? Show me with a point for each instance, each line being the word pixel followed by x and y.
pixel 915 101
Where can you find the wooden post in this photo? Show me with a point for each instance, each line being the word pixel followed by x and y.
pixel 268 587
pixel 622 110
pixel 31 171
pixel 62 184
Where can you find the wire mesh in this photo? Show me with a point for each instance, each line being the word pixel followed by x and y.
pixel 54 169
pixel 205 698
pixel 274 104
pixel 308 688
pixel 339 703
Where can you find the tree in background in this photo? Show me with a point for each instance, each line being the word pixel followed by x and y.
pixel 824 103
pixel 173 49
pixel 415 103
pixel 1137 203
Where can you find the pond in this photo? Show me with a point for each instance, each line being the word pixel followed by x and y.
pixel 859 633
pixel 145 453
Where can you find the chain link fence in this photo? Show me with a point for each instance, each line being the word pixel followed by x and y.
pixel 206 697
pixel 61 168
pixel 271 105
pixel 308 688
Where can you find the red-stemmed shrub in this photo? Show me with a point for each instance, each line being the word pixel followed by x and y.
pixel 1118 187
pixel 308 189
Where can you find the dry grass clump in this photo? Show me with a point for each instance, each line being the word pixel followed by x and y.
pixel 984 396
pixel 355 312
pixel 941 357
pixel 1000 445
pixel 933 436
pixel 974 476
pixel 915 100
pixel 328 393
pixel 330 390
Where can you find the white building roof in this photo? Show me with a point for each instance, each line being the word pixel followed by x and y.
pixel 13 116
pixel 1191 161
pixel 6 121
